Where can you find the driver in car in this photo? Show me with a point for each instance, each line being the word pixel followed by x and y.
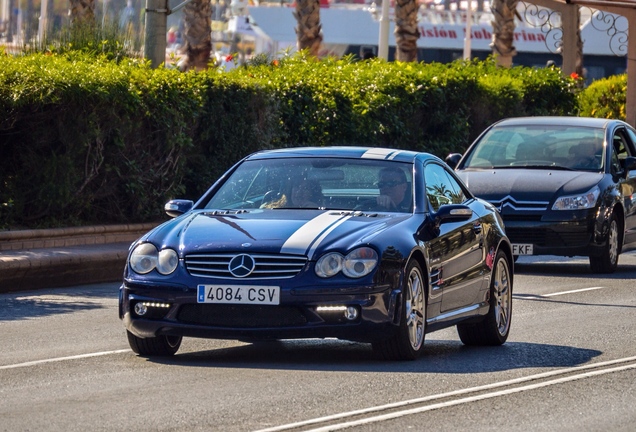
pixel 393 186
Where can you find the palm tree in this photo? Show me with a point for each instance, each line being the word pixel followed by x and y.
pixel 197 34
pixel 82 12
pixel 406 31
pixel 309 29
pixel 503 29
pixel 579 46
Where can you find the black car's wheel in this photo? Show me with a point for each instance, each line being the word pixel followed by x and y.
pixel 161 346
pixel 607 262
pixel 495 327
pixel 407 342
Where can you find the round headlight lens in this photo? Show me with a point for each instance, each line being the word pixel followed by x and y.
pixel 359 262
pixel 329 265
pixel 167 262
pixel 144 258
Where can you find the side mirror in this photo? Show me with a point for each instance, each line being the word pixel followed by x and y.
pixel 629 163
pixel 453 159
pixel 178 207
pixel 452 213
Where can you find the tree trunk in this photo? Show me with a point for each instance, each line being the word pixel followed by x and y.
pixel 579 48
pixel 503 29
pixel 309 29
pixel 197 35
pixel 82 12
pixel 406 31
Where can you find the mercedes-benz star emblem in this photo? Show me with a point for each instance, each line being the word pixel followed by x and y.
pixel 241 265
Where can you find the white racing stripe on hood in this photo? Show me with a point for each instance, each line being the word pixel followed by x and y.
pixel 311 234
pixel 380 153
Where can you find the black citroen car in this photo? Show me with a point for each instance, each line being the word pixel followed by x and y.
pixel 563 185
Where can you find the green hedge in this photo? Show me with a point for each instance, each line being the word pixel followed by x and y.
pixel 85 140
pixel 605 98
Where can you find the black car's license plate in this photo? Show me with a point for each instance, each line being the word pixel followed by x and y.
pixel 521 249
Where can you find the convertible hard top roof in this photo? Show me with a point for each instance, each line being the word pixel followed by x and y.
pixel 376 153
pixel 558 121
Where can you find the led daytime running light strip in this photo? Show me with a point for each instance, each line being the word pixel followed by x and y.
pixel 157 305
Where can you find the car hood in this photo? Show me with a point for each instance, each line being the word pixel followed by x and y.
pixel 527 184
pixel 298 232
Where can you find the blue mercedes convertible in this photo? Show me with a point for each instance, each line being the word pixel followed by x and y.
pixel 373 245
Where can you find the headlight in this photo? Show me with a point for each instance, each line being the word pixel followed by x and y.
pixel 356 264
pixel 329 265
pixel 578 202
pixel 359 262
pixel 167 262
pixel 145 258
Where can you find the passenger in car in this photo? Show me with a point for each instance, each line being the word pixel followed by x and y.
pixel 304 193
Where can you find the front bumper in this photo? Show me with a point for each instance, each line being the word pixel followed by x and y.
pixel 173 310
pixel 577 237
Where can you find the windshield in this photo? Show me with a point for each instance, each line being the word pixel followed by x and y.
pixel 539 146
pixel 316 183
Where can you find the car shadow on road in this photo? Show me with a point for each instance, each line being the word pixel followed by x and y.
pixel 46 302
pixel 440 356
pixel 572 267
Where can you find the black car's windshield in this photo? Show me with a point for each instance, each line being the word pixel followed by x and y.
pixel 539 147
pixel 317 183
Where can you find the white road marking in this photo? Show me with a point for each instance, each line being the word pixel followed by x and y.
pixel 59 359
pixel 573 291
pixel 562 292
pixel 460 392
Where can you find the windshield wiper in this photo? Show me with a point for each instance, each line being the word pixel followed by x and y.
pixel 561 167
pixel 544 167
pixel 298 208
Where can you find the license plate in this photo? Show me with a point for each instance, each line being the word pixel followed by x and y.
pixel 522 249
pixel 238 294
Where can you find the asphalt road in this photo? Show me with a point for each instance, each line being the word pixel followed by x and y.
pixel 569 365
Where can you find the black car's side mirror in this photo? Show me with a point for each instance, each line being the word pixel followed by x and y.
pixel 453 159
pixel 178 207
pixel 629 163
pixel 452 213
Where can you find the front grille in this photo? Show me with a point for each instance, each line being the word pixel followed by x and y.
pixel 547 238
pixel 515 217
pixel 266 266
pixel 509 204
pixel 241 316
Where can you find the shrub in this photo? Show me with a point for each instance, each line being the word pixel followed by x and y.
pixel 605 98
pixel 89 137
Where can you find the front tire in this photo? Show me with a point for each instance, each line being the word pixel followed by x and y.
pixel 160 346
pixel 495 327
pixel 407 342
pixel 607 262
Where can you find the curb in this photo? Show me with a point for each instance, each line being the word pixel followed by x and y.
pixel 35 259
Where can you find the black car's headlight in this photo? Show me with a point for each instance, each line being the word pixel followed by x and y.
pixel 357 263
pixel 145 258
pixel 578 202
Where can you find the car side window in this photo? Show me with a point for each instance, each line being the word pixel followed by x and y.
pixel 631 142
pixel 619 150
pixel 441 187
